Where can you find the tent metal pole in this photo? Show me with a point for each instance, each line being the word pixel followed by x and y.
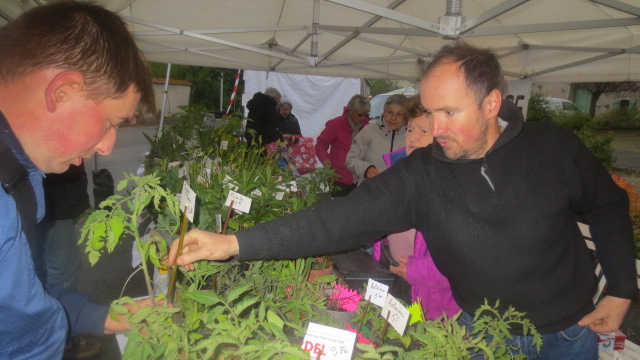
pixel 221 89
pixel 164 99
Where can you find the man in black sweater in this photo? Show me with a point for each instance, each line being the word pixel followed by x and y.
pixel 497 201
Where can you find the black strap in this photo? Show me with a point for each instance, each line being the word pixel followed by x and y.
pixel 15 182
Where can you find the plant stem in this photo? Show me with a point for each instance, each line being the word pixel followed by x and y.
pixel 174 273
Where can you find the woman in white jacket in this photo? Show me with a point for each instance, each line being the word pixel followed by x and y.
pixel 385 135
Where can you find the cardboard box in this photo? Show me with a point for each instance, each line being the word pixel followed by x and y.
pixel 620 339
pixel 611 340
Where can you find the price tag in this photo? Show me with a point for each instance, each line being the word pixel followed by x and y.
pixel 188 198
pixel 224 144
pixel 240 202
pixel 218 223
pixel 328 342
pixel 376 292
pixel 398 314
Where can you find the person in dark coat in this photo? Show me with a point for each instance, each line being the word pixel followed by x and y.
pixel 287 122
pixel 262 118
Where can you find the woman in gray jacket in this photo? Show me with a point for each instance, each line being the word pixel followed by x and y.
pixel 385 135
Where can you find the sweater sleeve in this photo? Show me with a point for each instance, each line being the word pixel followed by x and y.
pixel 84 316
pixel 358 152
pixel 605 207
pixel 336 225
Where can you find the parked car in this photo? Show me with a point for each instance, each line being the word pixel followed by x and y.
pixel 377 103
pixel 562 105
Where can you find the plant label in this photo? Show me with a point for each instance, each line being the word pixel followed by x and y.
pixel 188 198
pixel 224 144
pixel 398 315
pixel 179 140
pixel 256 192
pixel 228 181
pixel 218 223
pixel 278 195
pixel 183 172
pixel 376 292
pixel 240 202
pixel 328 342
pixel 208 164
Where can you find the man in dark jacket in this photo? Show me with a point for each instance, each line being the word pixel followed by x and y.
pixel 497 200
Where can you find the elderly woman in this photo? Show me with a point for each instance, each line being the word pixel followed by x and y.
pixel 335 140
pixel 385 135
pixel 287 122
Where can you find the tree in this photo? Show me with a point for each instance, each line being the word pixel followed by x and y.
pixel 381 86
pixel 597 89
pixel 205 90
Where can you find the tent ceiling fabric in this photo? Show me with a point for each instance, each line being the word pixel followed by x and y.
pixel 546 40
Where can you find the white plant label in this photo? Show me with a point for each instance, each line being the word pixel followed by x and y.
pixel 398 315
pixel 183 172
pixel 328 343
pixel 376 292
pixel 256 192
pixel 278 195
pixel 208 164
pixel 240 202
pixel 188 199
pixel 228 181
pixel 224 144
pixel 218 223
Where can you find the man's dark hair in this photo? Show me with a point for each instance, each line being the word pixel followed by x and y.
pixel 80 36
pixel 481 67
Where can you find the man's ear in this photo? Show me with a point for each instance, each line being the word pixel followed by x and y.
pixel 492 103
pixel 62 87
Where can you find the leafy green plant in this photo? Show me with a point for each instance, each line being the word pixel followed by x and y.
pixel 118 215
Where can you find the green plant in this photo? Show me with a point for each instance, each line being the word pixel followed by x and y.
pixel 601 146
pixel 538 109
pixel 118 215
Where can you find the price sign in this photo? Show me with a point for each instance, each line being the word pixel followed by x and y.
pixel 376 292
pixel 328 342
pixel 240 202
pixel 188 198
pixel 398 314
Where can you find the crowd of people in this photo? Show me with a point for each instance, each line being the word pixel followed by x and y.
pixel 473 203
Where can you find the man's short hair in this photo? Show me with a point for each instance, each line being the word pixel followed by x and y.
pixel 80 36
pixel 482 70
pixel 359 103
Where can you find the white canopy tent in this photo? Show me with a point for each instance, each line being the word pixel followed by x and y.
pixel 545 40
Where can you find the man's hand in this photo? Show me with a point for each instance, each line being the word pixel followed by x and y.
pixel 608 315
pixel 203 245
pixel 401 269
pixel 327 163
pixel 371 172
pixel 112 326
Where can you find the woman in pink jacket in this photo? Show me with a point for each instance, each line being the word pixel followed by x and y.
pixel 408 248
pixel 334 141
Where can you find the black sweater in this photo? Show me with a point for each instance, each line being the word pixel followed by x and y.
pixel 518 243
